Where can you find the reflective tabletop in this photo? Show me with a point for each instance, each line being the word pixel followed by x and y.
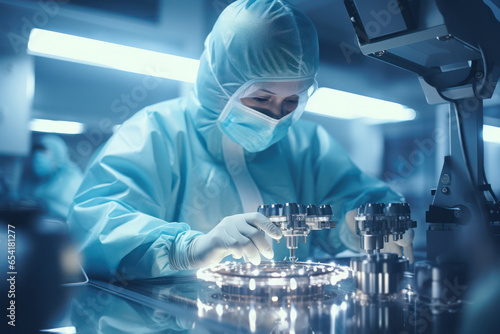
pixel 191 305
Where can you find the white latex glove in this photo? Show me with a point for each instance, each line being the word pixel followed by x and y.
pixel 238 235
pixel 398 247
pixel 403 245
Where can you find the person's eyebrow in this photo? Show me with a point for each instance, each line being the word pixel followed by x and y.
pixel 266 91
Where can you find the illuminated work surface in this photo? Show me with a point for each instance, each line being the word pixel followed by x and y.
pixel 188 305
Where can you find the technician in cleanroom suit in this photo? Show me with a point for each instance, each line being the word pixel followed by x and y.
pixel 169 189
pixel 51 179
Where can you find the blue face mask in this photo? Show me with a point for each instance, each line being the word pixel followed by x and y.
pixel 250 128
pixel 253 129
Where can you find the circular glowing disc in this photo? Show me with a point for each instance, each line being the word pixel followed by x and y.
pixel 273 280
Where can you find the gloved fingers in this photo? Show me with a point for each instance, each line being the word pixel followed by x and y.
pixel 234 250
pixel 251 252
pixel 243 246
pixel 408 251
pixel 349 219
pixel 223 244
pixel 258 239
pixel 392 247
pixel 406 243
pixel 260 221
pixel 236 253
pixel 407 238
pixel 253 256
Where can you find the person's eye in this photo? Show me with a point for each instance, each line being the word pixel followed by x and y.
pixel 260 99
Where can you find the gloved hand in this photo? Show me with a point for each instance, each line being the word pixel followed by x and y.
pixel 237 235
pixel 402 245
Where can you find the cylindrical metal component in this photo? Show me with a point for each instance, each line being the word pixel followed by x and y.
pixel 312 210
pixel 444 281
pixel 275 210
pixel 291 242
pixel 325 210
pixel 406 208
pixel 297 220
pixel 394 209
pixel 379 274
pixel 371 242
pixel 374 208
pixel 375 222
pixel 290 209
pixel 263 209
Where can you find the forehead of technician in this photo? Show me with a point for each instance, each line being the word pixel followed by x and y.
pixel 252 40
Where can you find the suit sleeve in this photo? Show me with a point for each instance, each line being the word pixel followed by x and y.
pixel 117 217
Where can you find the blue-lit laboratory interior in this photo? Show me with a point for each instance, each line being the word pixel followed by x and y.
pixel 249 166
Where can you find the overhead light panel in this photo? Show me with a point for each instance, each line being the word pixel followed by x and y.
pixel 491 134
pixel 336 103
pixel 62 330
pixel 62 127
pixel 82 50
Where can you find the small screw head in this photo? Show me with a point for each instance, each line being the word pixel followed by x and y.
pixel 445 190
pixel 444 38
pixel 446 178
pixel 479 75
pixel 379 53
pixel 457 213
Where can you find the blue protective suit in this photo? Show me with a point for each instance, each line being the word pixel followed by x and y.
pixel 169 174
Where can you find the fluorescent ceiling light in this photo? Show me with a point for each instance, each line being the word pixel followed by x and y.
pixel 62 330
pixel 331 102
pixel 45 125
pixel 491 134
pixel 98 53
